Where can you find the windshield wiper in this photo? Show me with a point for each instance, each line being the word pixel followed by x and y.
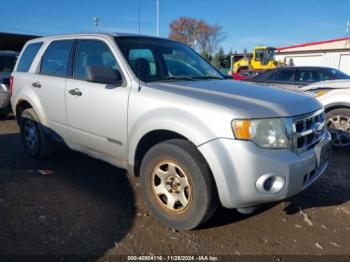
pixel 179 78
pixel 208 77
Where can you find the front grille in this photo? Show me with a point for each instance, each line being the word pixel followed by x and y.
pixel 308 130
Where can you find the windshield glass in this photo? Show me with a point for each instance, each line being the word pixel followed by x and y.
pixel 264 55
pixel 153 59
pixel 338 74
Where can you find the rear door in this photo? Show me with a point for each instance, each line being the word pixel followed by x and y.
pixel 97 112
pixel 49 84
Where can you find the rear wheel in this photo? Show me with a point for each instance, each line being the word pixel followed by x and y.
pixel 36 142
pixel 177 185
pixel 338 123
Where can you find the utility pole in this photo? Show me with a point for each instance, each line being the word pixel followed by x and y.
pixel 347 41
pixel 157 18
pixel 96 21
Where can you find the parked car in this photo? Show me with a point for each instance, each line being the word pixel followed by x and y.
pixel 294 78
pixel 156 108
pixel 335 97
pixel 7 63
pixel 246 74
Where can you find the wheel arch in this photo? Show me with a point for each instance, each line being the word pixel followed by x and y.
pixel 149 140
pixel 334 106
pixel 25 102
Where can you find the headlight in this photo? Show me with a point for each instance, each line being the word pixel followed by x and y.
pixel 318 93
pixel 266 133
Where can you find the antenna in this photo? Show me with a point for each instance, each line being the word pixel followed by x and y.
pixel 139 17
pixel 139 88
pixel 96 21
pixel 157 18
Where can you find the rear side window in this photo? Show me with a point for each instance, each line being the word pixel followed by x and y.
pixel 56 58
pixel 27 57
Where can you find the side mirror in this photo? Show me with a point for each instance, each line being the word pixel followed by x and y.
pixel 103 75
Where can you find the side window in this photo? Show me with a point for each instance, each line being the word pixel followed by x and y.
pixel 312 76
pixel 283 76
pixel 143 62
pixel 306 76
pixel 27 57
pixel 56 58
pixel 324 77
pixel 92 53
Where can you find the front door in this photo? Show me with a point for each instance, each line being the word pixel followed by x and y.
pixel 97 112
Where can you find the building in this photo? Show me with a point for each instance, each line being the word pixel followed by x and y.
pixel 333 53
pixel 14 42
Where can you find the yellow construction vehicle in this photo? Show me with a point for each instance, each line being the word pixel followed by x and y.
pixel 262 59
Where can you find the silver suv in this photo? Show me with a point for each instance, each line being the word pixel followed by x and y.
pixel 7 62
pixel 156 108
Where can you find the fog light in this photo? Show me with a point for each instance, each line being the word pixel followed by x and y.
pixel 271 183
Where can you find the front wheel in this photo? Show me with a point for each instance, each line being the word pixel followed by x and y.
pixel 177 185
pixel 338 123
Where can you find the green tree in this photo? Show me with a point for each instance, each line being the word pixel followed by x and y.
pixel 206 56
pixel 220 59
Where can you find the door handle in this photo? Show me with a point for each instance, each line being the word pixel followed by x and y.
pixel 36 84
pixel 75 92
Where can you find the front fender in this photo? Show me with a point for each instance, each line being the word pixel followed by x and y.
pixel 183 123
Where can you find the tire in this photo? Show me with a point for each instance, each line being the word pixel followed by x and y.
pixel 35 141
pixel 177 185
pixel 338 123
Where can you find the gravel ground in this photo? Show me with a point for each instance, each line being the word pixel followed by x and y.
pixel 73 204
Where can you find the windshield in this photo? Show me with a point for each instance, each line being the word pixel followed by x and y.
pixel 338 74
pixel 153 59
pixel 7 63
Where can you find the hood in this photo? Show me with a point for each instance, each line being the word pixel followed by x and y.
pixel 333 84
pixel 247 99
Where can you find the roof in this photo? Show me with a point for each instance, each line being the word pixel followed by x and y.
pixel 106 34
pixel 327 44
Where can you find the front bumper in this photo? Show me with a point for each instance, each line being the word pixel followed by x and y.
pixel 237 166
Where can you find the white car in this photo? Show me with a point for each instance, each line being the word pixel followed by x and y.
pixel 156 108
pixel 335 97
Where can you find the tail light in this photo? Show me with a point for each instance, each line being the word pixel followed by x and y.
pixel 11 85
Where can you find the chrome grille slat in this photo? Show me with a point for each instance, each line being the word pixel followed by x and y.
pixel 308 130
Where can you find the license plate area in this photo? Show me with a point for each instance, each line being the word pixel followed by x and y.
pixel 323 152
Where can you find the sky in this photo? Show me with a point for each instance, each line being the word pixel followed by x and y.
pixel 246 23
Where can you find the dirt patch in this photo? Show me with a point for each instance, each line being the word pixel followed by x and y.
pixel 84 206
